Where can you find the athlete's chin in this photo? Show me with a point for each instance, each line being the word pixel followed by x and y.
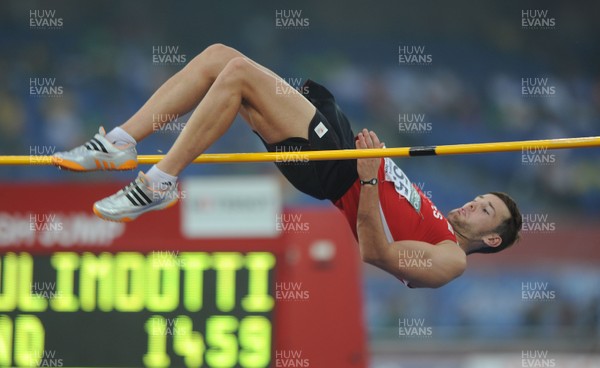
pixel 454 218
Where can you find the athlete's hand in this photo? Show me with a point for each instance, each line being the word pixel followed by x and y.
pixel 368 167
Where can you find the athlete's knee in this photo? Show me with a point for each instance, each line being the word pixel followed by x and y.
pixel 218 51
pixel 210 62
pixel 237 70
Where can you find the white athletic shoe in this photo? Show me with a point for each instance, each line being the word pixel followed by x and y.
pixel 135 199
pixel 97 154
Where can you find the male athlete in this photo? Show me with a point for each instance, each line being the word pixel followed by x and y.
pixel 392 220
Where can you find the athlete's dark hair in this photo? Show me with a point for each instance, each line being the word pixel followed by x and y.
pixel 509 228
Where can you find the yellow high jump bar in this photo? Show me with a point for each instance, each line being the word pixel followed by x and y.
pixel 442 150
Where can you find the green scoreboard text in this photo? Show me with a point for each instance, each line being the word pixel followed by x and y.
pixel 159 309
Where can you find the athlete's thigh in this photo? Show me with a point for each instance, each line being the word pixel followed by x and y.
pixel 273 108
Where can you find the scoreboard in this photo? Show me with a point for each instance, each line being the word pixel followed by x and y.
pixel 77 291
pixel 161 309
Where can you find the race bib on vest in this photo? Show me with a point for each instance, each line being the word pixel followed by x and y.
pixel 403 186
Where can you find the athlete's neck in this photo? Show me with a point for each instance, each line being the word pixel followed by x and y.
pixel 464 242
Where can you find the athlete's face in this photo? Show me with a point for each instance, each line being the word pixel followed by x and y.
pixel 479 217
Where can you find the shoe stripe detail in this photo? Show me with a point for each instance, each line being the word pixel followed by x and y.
pixel 93 145
pixel 100 144
pixel 131 200
pixel 139 190
pixel 88 147
pixel 140 200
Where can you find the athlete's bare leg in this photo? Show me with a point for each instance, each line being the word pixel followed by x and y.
pixel 182 92
pixel 241 86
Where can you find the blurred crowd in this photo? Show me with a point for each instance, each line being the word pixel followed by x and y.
pixel 495 304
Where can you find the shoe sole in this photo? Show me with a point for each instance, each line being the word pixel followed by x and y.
pixel 101 165
pixel 98 213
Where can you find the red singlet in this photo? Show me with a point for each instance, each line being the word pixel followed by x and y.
pixel 407 214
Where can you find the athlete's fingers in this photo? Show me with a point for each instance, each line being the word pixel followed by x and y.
pixel 375 139
pixel 360 141
pixel 368 138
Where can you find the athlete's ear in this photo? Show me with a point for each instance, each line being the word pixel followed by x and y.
pixel 492 240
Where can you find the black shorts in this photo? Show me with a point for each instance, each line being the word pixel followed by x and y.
pixel 320 179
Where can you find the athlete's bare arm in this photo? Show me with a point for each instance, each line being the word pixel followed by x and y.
pixel 443 262
pixel 435 265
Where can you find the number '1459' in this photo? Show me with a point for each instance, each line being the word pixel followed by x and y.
pixel 221 347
